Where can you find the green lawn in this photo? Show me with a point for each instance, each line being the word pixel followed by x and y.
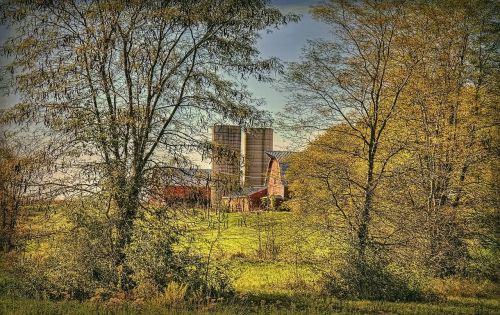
pixel 256 249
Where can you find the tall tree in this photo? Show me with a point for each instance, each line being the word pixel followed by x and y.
pixel 410 152
pixel 129 87
pixel 357 78
pixel 449 122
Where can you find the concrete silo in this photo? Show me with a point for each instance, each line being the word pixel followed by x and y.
pixel 225 161
pixel 257 142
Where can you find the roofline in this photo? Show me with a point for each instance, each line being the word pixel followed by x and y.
pixel 271 153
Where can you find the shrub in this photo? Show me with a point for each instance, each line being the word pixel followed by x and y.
pixel 174 294
pixel 467 288
pixel 78 264
pixel 72 263
pixel 373 280
pixel 157 261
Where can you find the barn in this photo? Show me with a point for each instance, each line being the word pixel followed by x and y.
pixel 248 199
pixel 276 184
pixel 189 187
pixel 262 183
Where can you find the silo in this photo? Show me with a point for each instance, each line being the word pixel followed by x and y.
pixel 225 161
pixel 257 142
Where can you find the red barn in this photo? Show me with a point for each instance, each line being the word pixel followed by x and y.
pixel 185 187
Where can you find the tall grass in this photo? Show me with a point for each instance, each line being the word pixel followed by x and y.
pixel 253 305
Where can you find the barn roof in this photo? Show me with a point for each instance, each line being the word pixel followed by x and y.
pixel 279 155
pixel 188 177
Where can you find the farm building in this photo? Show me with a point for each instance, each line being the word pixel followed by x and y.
pixel 185 187
pixel 269 196
pixel 257 183
pixel 276 184
pixel 249 199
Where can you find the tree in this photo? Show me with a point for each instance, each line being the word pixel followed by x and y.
pixel 321 181
pixel 414 169
pixel 356 79
pixel 448 117
pixel 22 167
pixel 129 87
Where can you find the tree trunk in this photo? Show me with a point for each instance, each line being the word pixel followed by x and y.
pixel 367 206
pixel 128 204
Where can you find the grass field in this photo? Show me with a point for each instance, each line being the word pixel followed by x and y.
pixel 257 251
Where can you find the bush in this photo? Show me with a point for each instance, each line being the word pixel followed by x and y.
pixel 158 261
pixel 73 264
pixel 174 294
pixel 79 263
pixel 372 280
pixel 483 263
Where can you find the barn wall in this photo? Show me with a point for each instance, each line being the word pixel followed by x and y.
pixel 275 186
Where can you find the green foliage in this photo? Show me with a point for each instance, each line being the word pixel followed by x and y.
pixel 22 166
pixel 77 264
pixel 288 284
pixel 373 279
pixel 9 280
pixel 157 261
pixel 74 263
pixel 151 256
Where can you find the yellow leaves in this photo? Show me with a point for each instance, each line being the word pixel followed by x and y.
pixel 321 11
pixel 328 167
pixel 26 43
pixel 167 13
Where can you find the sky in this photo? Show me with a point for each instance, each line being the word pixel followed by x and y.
pixel 287 44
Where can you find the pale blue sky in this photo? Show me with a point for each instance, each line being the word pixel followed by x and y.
pixel 286 44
